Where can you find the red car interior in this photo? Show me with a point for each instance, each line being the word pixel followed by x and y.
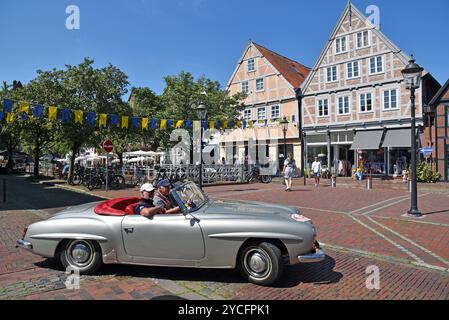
pixel 117 207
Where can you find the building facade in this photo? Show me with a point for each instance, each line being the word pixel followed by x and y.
pixel 270 81
pixel 438 132
pixel 355 106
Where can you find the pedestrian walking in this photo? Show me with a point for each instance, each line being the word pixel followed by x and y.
pixel 316 169
pixel 289 171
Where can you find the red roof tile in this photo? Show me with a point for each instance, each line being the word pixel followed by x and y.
pixel 294 72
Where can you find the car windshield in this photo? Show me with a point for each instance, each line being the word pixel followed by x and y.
pixel 190 196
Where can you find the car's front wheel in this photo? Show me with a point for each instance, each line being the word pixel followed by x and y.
pixel 261 263
pixel 84 255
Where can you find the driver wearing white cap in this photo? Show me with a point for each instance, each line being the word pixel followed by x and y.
pixel 146 206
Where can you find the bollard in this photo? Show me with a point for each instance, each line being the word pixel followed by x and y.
pixel 4 189
pixel 334 181
pixel 369 183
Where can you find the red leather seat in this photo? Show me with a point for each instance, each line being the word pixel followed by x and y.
pixel 131 209
pixel 117 207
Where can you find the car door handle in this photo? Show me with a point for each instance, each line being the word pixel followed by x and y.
pixel 129 230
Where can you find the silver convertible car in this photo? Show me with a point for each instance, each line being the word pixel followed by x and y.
pixel 257 238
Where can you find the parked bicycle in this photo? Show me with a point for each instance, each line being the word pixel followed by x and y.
pixel 254 175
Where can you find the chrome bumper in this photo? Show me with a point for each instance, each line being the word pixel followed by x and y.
pixel 24 244
pixel 318 256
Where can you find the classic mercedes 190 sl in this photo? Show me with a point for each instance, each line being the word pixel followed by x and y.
pixel 257 238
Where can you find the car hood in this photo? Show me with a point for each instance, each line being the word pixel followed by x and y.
pixel 248 208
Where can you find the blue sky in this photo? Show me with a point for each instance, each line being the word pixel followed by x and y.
pixel 149 39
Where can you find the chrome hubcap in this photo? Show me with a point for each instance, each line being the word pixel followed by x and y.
pixel 257 263
pixel 80 253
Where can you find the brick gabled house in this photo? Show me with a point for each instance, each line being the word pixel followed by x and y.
pixel 437 133
pixel 270 81
pixel 355 106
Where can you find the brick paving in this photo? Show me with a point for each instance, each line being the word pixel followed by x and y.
pixel 359 228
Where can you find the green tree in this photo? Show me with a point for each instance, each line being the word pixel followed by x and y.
pixel 183 94
pixel 10 136
pixel 91 90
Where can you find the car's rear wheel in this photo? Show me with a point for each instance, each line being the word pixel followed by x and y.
pixel 84 255
pixel 261 263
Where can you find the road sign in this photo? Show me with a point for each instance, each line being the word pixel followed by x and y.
pixel 426 150
pixel 108 146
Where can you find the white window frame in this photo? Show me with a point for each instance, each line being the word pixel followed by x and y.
pixel 332 74
pixel 247 83
pixel 279 111
pixel 338 40
pixel 352 63
pixel 254 65
pixel 376 65
pixel 389 99
pixel 264 112
pixel 360 102
pixel 263 85
pixel 356 38
pixel 318 108
pixel 349 105
pixel 245 116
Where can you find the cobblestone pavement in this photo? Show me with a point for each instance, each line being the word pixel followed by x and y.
pixel 359 228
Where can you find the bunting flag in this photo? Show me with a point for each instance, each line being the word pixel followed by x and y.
pixel 65 116
pixel 1 115
pixel 38 110
pixel 24 107
pixel 136 122
pixel 114 120
pixel 144 123
pixel 7 106
pixel 103 119
pixel 154 123
pixel 91 119
pixel 78 116
pixel 179 124
pixel 125 120
pixel 52 113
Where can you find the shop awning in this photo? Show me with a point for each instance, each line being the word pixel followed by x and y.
pixel 367 140
pixel 397 139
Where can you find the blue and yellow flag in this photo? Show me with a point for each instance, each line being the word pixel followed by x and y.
pixel 24 107
pixel 52 113
pixel 125 122
pixel 144 123
pixel 78 116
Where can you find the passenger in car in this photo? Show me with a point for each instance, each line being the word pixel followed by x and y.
pixel 161 197
pixel 146 206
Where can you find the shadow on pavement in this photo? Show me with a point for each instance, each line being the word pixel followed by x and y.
pixel 318 273
pixel 25 195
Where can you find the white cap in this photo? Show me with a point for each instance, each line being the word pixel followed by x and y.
pixel 147 187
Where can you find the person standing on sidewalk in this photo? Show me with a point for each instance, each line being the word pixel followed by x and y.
pixel 289 171
pixel 316 169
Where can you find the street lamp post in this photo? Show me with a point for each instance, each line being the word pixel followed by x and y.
pixel 412 77
pixel 284 125
pixel 201 111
